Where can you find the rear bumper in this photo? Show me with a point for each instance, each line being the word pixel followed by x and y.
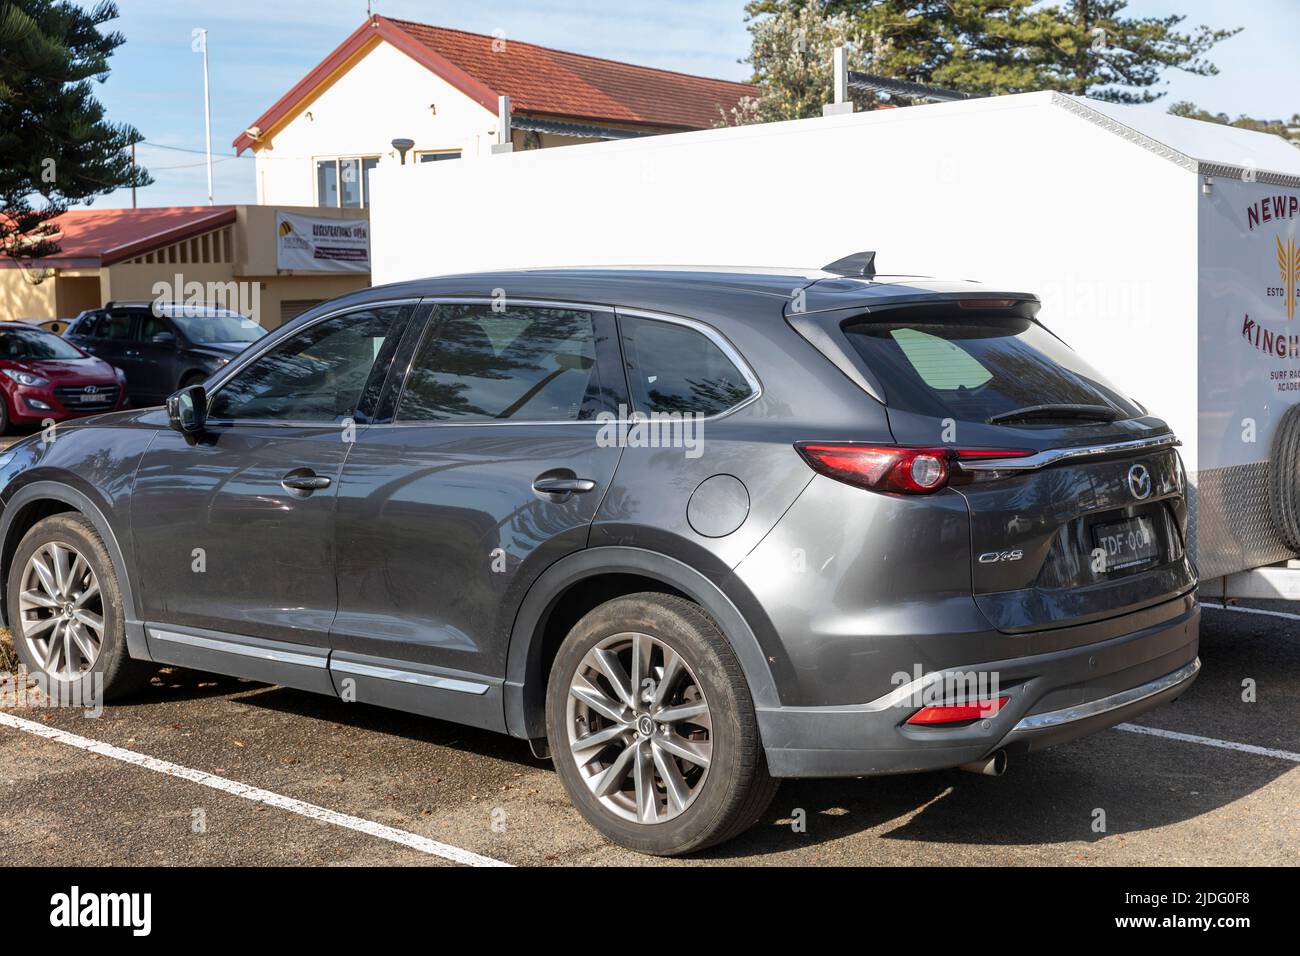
pixel 1053 698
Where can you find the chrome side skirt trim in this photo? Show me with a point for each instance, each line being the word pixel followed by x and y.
pixel 1056 718
pixel 1053 455
pixel 409 677
pixel 242 650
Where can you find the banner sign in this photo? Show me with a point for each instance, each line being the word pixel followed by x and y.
pixel 321 245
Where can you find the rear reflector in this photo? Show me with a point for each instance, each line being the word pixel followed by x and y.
pixel 976 710
pixel 914 471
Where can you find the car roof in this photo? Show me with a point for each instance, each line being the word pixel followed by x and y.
pixel 166 308
pixel 674 288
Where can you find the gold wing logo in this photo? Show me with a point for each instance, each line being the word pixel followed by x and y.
pixel 1288 261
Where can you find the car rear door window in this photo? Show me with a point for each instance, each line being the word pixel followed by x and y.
pixel 115 326
pixel 974 369
pixel 316 375
pixel 675 368
pixel 524 363
pixel 150 326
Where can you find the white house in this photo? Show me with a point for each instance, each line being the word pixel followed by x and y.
pixel 440 88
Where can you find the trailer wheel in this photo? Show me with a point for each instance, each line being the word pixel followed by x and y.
pixel 1284 480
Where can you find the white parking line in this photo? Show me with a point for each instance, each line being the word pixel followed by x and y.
pixel 1210 742
pixel 1251 610
pixel 256 794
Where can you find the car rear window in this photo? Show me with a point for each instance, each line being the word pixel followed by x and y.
pixel 971 369
pixel 673 368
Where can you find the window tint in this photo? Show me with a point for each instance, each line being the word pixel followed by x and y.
pixel 151 325
pixel 673 368
pixel 116 325
pixel 973 369
pixel 315 376
pixel 523 364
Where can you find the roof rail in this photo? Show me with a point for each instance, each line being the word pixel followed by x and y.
pixel 859 265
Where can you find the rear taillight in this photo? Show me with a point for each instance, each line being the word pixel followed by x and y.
pixel 958 713
pixel 912 471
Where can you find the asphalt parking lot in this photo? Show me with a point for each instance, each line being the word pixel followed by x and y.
pixel 340 783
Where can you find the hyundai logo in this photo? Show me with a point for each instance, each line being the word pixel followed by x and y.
pixel 1139 481
pixel 91 389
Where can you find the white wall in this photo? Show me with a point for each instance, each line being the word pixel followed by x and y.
pixel 1012 191
pixel 383 96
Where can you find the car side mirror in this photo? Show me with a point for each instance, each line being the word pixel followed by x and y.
pixel 164 338
pixel 187 410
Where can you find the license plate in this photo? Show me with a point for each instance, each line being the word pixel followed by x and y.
pixel 1127 543
pixel 88 399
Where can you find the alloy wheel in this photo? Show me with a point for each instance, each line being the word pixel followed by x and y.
pixel 640 729
pixel 61 611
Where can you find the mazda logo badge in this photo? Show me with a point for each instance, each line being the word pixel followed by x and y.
pixel 1139 481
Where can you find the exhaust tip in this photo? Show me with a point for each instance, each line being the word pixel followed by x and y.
pixel 995 765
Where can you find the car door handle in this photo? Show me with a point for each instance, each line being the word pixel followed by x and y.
pixel 131 352
pixel 562 486
pixel 296 481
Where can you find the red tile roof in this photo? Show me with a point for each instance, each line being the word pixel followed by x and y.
pixel 89 237
pixel 537 79
pixel 541 80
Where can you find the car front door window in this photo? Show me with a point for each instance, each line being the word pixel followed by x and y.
pixel 316 376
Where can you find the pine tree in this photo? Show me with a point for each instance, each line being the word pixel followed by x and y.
pixel 56 147
pixel 1086 47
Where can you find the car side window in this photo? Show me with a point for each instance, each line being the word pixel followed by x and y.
pixel 675 368
pixel 112 326
pixel 151 325
pixel 316 375
pixel 526 363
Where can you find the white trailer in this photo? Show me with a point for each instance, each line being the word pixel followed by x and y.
pixel 1165 250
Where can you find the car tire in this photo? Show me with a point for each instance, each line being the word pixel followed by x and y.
pixel 83 663
pixel 663 787
pixel 1284 478
pixel 5 421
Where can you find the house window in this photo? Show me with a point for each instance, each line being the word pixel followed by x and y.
pixel 434 156
pixel 344 182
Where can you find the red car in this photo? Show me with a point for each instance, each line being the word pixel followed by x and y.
pixel 45 377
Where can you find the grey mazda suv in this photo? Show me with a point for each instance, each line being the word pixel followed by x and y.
pixel 687 531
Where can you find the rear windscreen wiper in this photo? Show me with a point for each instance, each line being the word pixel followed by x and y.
pixel 1089 413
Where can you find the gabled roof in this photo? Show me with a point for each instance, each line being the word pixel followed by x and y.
pixel 537 79
pixel 101 237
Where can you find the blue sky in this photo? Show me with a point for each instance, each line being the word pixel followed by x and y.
pixel 259 48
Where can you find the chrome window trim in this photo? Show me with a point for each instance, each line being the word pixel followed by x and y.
pixel 731 353
pixel 508 301
pixel 1133 695
pixel 1053 455
pixel 223 375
